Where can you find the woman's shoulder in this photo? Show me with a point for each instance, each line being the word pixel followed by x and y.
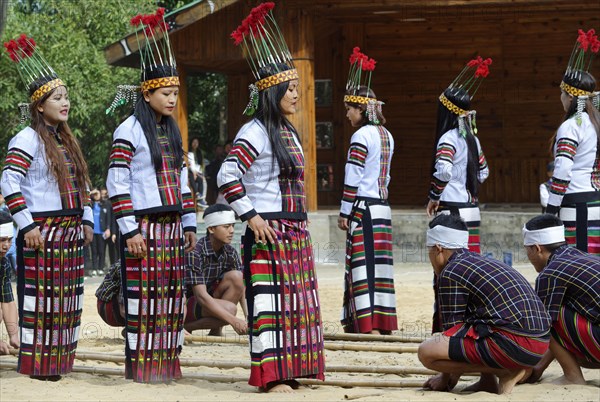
pixel 572 128
pixel 252 130
pixel 450 136
pixel 26 138
pixel 128 128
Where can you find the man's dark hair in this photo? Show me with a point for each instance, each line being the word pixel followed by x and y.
pixel 216 208
pixel 449 221
pixel 5 217
pixel 542 222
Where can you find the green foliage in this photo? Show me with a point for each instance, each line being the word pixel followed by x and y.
pixel 207 100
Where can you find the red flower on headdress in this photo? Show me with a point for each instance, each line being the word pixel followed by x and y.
pixel 11 48
pixel 587 39
pixel 368 65
pixel 252 23
pixel 357 56
pixel 160 12
pixel 237 37
pixel 483 69
pixel 27 45
pixel 135 21
pixel 595 46
pixel 475 62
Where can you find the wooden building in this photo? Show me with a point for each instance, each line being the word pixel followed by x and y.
pixel 420 46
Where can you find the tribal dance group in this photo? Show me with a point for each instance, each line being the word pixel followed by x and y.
pixel 487 318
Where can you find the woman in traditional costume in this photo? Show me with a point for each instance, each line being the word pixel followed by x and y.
pixel 45 183
pixel 148 186
pixel 262 179
pixel 575 183
pixel 459 165
pixel 369 304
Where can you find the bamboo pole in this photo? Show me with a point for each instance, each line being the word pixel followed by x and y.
pixel 374 338
pixel 328 345
pixel 230 379
pixel 221 364
pixel 371 348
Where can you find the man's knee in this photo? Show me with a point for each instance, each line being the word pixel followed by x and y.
pixel 433 349
pixel 234 280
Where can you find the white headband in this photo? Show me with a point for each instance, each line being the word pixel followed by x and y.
pixel 219 218
pixel 551 235
pixel 6 229
pixel 447 237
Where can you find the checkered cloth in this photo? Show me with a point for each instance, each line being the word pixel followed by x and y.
pixel 571 278
pixel 111 285
pixel 476 290
pixel 6 293
pixel 204 267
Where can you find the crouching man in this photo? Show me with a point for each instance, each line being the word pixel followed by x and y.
pixel 214 280
pixel 493 321
pixel 569 286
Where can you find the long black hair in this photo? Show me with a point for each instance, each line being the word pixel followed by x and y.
pixel 446 121
pixel 270 115
pixel 366 93
pixel 587 82
pixel 147 118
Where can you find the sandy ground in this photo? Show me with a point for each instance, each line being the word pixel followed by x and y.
pixel 415 298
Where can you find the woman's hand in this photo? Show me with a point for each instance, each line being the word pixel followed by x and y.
pixel 88 235
pixel 190 240
pixel 33 238
pixel 342 223
pixel 432 208
pixel 136 246
pixel 262 231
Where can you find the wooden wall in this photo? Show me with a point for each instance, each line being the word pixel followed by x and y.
pixel 518 106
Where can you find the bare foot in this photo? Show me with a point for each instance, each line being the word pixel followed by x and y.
pixel 564 380
pixel 440 382
pixel 4 350
pixel 507 382
pixel 279 388
pixel 486 383
pixel 375 332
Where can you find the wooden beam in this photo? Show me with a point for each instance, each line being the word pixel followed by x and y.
pixel 181 111
pixel 299 34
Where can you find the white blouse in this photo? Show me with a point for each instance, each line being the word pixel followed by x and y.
pixel 30 188
pixel 136 188
pixel 449 182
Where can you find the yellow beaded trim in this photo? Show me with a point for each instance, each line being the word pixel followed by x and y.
pixel 358 99
pixel 160 83
pixel 47 87
pixel 275 79
pixel 451 106
pixel 574 91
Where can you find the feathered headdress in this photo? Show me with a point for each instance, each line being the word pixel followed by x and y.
pixel 468 81
pixel 361 72
pixel 265 50
pixel 158 66
pixel 585 49
pixel 35 72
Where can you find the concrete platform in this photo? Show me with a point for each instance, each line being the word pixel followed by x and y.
pixel 500 233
